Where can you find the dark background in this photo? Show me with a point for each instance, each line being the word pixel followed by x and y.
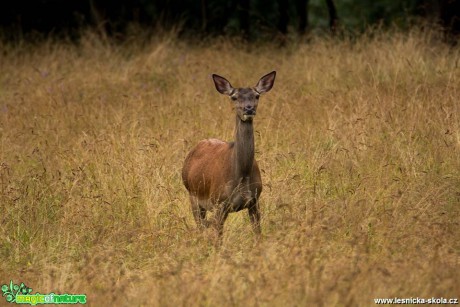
pixel 252 19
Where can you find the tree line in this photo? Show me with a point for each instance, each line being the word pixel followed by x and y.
pixel 248 18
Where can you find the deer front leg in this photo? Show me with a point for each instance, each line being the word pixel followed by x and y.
pixel 219 219
pixel 254 216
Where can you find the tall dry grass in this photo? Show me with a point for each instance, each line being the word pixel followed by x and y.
pixel 358 142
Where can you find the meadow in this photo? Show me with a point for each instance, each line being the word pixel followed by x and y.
pixel 358 144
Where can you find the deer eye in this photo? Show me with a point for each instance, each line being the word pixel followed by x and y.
pixel 257 96
pixel 234 98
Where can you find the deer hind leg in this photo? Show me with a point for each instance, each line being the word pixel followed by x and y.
pixel 199 213
pixel 254 216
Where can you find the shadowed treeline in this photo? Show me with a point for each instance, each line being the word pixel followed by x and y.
pixel 250 18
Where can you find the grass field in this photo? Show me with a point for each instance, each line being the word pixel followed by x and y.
pixel 358 142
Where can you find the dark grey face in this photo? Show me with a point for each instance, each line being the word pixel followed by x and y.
pixel 245 102
pixel 245 99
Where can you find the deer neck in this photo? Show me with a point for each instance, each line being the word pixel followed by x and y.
pixel 243 155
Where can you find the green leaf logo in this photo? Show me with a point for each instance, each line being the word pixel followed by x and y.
pixel 10 292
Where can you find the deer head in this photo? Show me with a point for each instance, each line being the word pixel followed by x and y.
pixel 245 99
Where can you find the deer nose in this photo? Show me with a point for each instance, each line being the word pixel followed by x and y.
pixel 249 110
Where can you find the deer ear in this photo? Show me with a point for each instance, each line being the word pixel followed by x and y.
pixel 222 85
pixel 266 82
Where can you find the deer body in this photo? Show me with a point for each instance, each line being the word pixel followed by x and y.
pixel 224 176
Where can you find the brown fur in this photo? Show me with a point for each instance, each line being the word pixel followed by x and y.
pixel 208 174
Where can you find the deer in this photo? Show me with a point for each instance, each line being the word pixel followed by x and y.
pixel 224 176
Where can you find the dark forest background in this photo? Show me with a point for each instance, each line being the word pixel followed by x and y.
pixel 251 19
